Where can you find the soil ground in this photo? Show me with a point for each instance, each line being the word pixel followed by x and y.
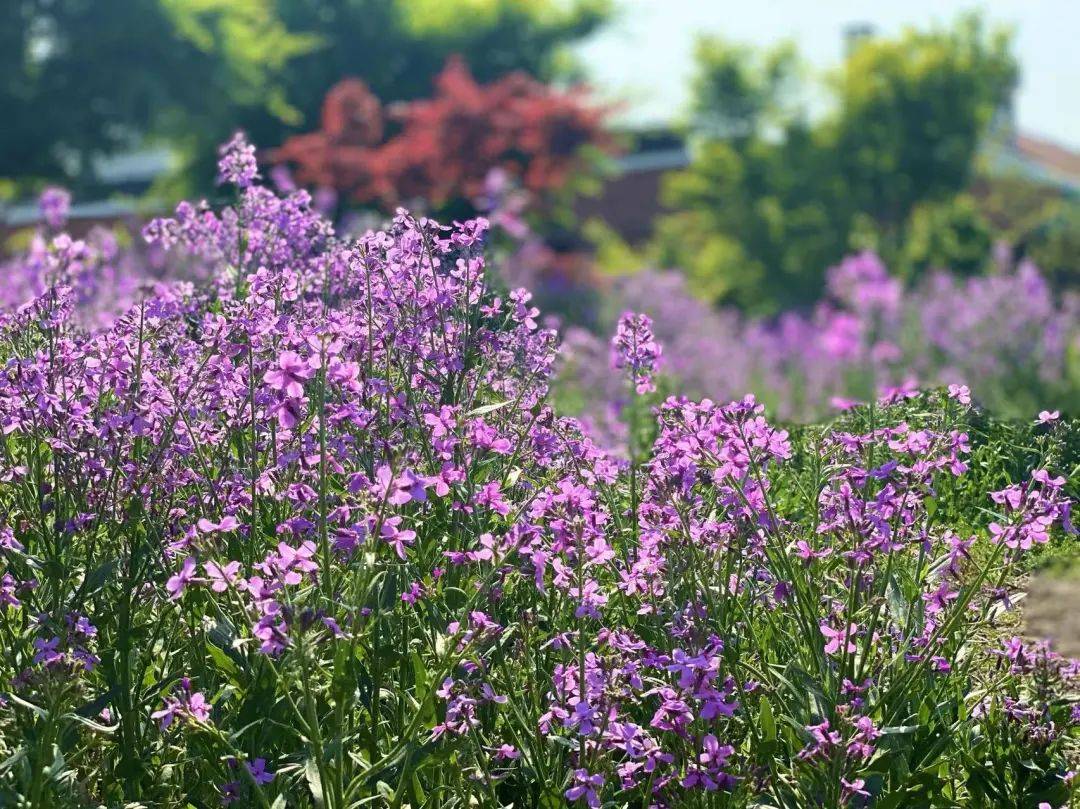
pixel 1052 610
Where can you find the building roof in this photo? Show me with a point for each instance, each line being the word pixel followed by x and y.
pixel 1035 158
pixel 1057 161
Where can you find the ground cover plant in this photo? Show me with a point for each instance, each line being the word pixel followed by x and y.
pixel 309 534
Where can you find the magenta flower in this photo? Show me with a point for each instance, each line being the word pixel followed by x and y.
pixel 237 164
pixel 393 535
pixel 198 708
pixel 228 523
pixel 181 579
pixel 805 551
pixel 852 788
pixel 183 705
pixel 398 491
pixel 962 393
pixel 289 374
pixel 635 348
pixel 54 205
pixel 585 788
pixel 222 577
pixel 838 639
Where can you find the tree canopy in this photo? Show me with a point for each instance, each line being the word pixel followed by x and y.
pixel 771 197
pixel 84 78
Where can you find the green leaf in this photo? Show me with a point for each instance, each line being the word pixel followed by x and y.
pixel 766 720
pixel 420 677
pixel 90 723
pixel 893 730
pixel 96 579
pixel 41 713
pixel 222 661
pixel 418 791
pixel 892 800
pixel 551 799
pixel 898 605
pixel 59 763
pixel 314 780
pixel 12 760
pixel 490 408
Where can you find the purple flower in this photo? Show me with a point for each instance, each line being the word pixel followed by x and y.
pixel 962 393
pixel 258 771
pixel 8 541
pixel 7 592
pixel 230 792
pixel 166 715
pixel 289 374
pixel 46 651
pixel 181 579
pixel 585 787
pixel 237 164
pixel 54 205
pixel 635 348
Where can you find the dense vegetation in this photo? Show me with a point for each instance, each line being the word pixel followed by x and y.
pixel 306 532
pixel 772 196
pixel 1008 335
pixel 83 79
pixel 444 150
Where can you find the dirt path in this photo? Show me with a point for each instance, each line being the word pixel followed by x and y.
pixel 1052 610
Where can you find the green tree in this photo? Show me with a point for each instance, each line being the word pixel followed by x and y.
pixel 736 92
pixel 88 77
pixel 1038 220
pixel 912 112
pixel 952 234
pixel 83 78
pixel 771 199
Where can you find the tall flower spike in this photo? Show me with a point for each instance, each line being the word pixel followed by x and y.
pixel 54 204
pixel 635 348
pixel 237 164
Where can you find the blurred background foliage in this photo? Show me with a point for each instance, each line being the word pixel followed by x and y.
pixel 771 198
pixel 83 78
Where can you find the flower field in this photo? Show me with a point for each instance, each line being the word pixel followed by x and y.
pixel 1007 335
pixel 290 520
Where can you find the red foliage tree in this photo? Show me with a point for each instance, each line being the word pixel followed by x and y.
pixel 442 149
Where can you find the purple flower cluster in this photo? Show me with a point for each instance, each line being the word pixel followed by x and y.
pixel 237 165
pixel 634 348
pixel 54 205
pixel 1004 335
pixel 310 530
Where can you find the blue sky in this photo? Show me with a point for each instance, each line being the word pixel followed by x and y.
pixel 644 56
